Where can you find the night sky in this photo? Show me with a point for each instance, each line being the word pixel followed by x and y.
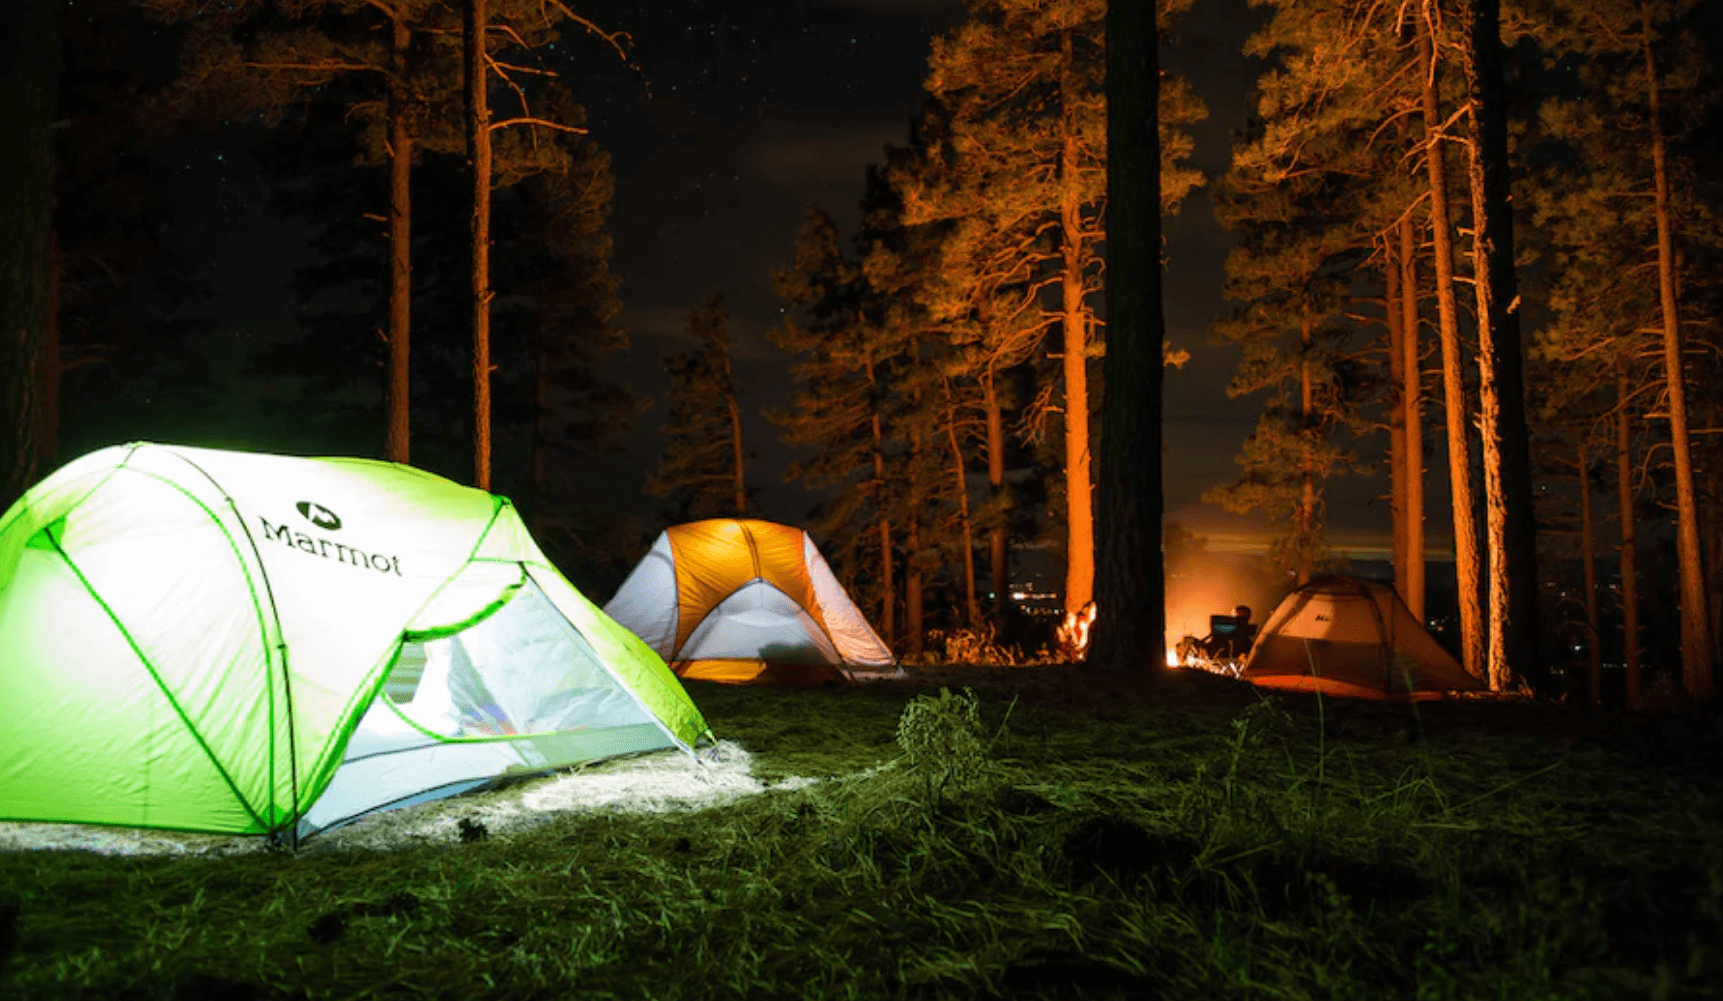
pixel 736 118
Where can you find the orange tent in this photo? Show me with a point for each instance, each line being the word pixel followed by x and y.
pixel 1355 638
pixel 742 600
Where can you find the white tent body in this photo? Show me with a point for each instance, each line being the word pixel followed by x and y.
pixel 732 592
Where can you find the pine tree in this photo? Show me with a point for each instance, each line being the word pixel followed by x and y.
pixel 1318 193
pixel 1131 585
pixel 565 303
pixel 1622 207
pixel 1509 521
pixel 843 404
pixel 1292 270
pixel 703 470
pixel 1018 173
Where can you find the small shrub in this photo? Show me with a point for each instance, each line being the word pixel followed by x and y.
pixel 941 739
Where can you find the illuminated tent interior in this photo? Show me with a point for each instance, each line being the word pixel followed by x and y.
pixel 746 601
pixel 239 643
pixel 1355 638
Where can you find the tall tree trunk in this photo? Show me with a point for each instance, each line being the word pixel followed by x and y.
pixel 971 608
pixel 1695 632
pixel 1593 667
pixel 397 444
pixel 1305 530
pixel 1079 510
pixel 1466 569
pixel 479 158
pixel 29 64
pixel 1397 462
pixel 1629 558
pixel 912 597
pixel 1412 418
pixel 888 599
pixel 998 558
pixel 1130 629
pixel 1510 523
pixel 736 446
pixel 912 584
pixel 479 162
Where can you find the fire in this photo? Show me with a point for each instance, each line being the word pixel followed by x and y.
pixel 1073 633
pixel 1172 657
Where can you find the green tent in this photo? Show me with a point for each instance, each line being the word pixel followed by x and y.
pixel 257 644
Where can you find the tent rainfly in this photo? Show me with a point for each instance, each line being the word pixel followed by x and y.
pixel 1356 638
pixel 746 601
pixel 240 643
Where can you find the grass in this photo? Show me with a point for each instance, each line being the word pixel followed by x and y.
pixel 1039 840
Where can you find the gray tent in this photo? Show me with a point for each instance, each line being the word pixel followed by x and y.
pixel 1356 638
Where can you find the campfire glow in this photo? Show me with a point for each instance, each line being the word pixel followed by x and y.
pixel 1073 633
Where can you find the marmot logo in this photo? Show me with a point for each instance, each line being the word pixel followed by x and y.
pixel 319 515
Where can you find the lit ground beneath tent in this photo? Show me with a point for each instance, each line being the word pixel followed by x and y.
pixel 661 782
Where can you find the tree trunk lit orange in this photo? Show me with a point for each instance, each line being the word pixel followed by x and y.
pixel 1080 523
pixel 1695 632
pixel 1412 419
pixel 1393 319
pixel 971 608
pixel 997 556
pixel 1466 557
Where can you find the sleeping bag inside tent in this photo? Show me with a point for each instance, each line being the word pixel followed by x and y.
pixel 241 643
pixel 1356 638
pixel 746 601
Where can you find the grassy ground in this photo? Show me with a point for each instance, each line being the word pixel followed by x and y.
pixel 1048 839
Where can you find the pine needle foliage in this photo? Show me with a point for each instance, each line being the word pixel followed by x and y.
pixel 703 469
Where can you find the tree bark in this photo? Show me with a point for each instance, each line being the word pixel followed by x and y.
pixel 1397 464
pixel 1466 569
pixel 736 445
pixel 1079 511
pixel 479 161
pixel 29 63
pixel 1130 627
pixel 1412 419
pixel 1510 523
pixel 912 597
pixel 971 608
pixel 1695 632
pixel 397 443
pixel 1629 558
pixel 888 600
pixel 998 558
